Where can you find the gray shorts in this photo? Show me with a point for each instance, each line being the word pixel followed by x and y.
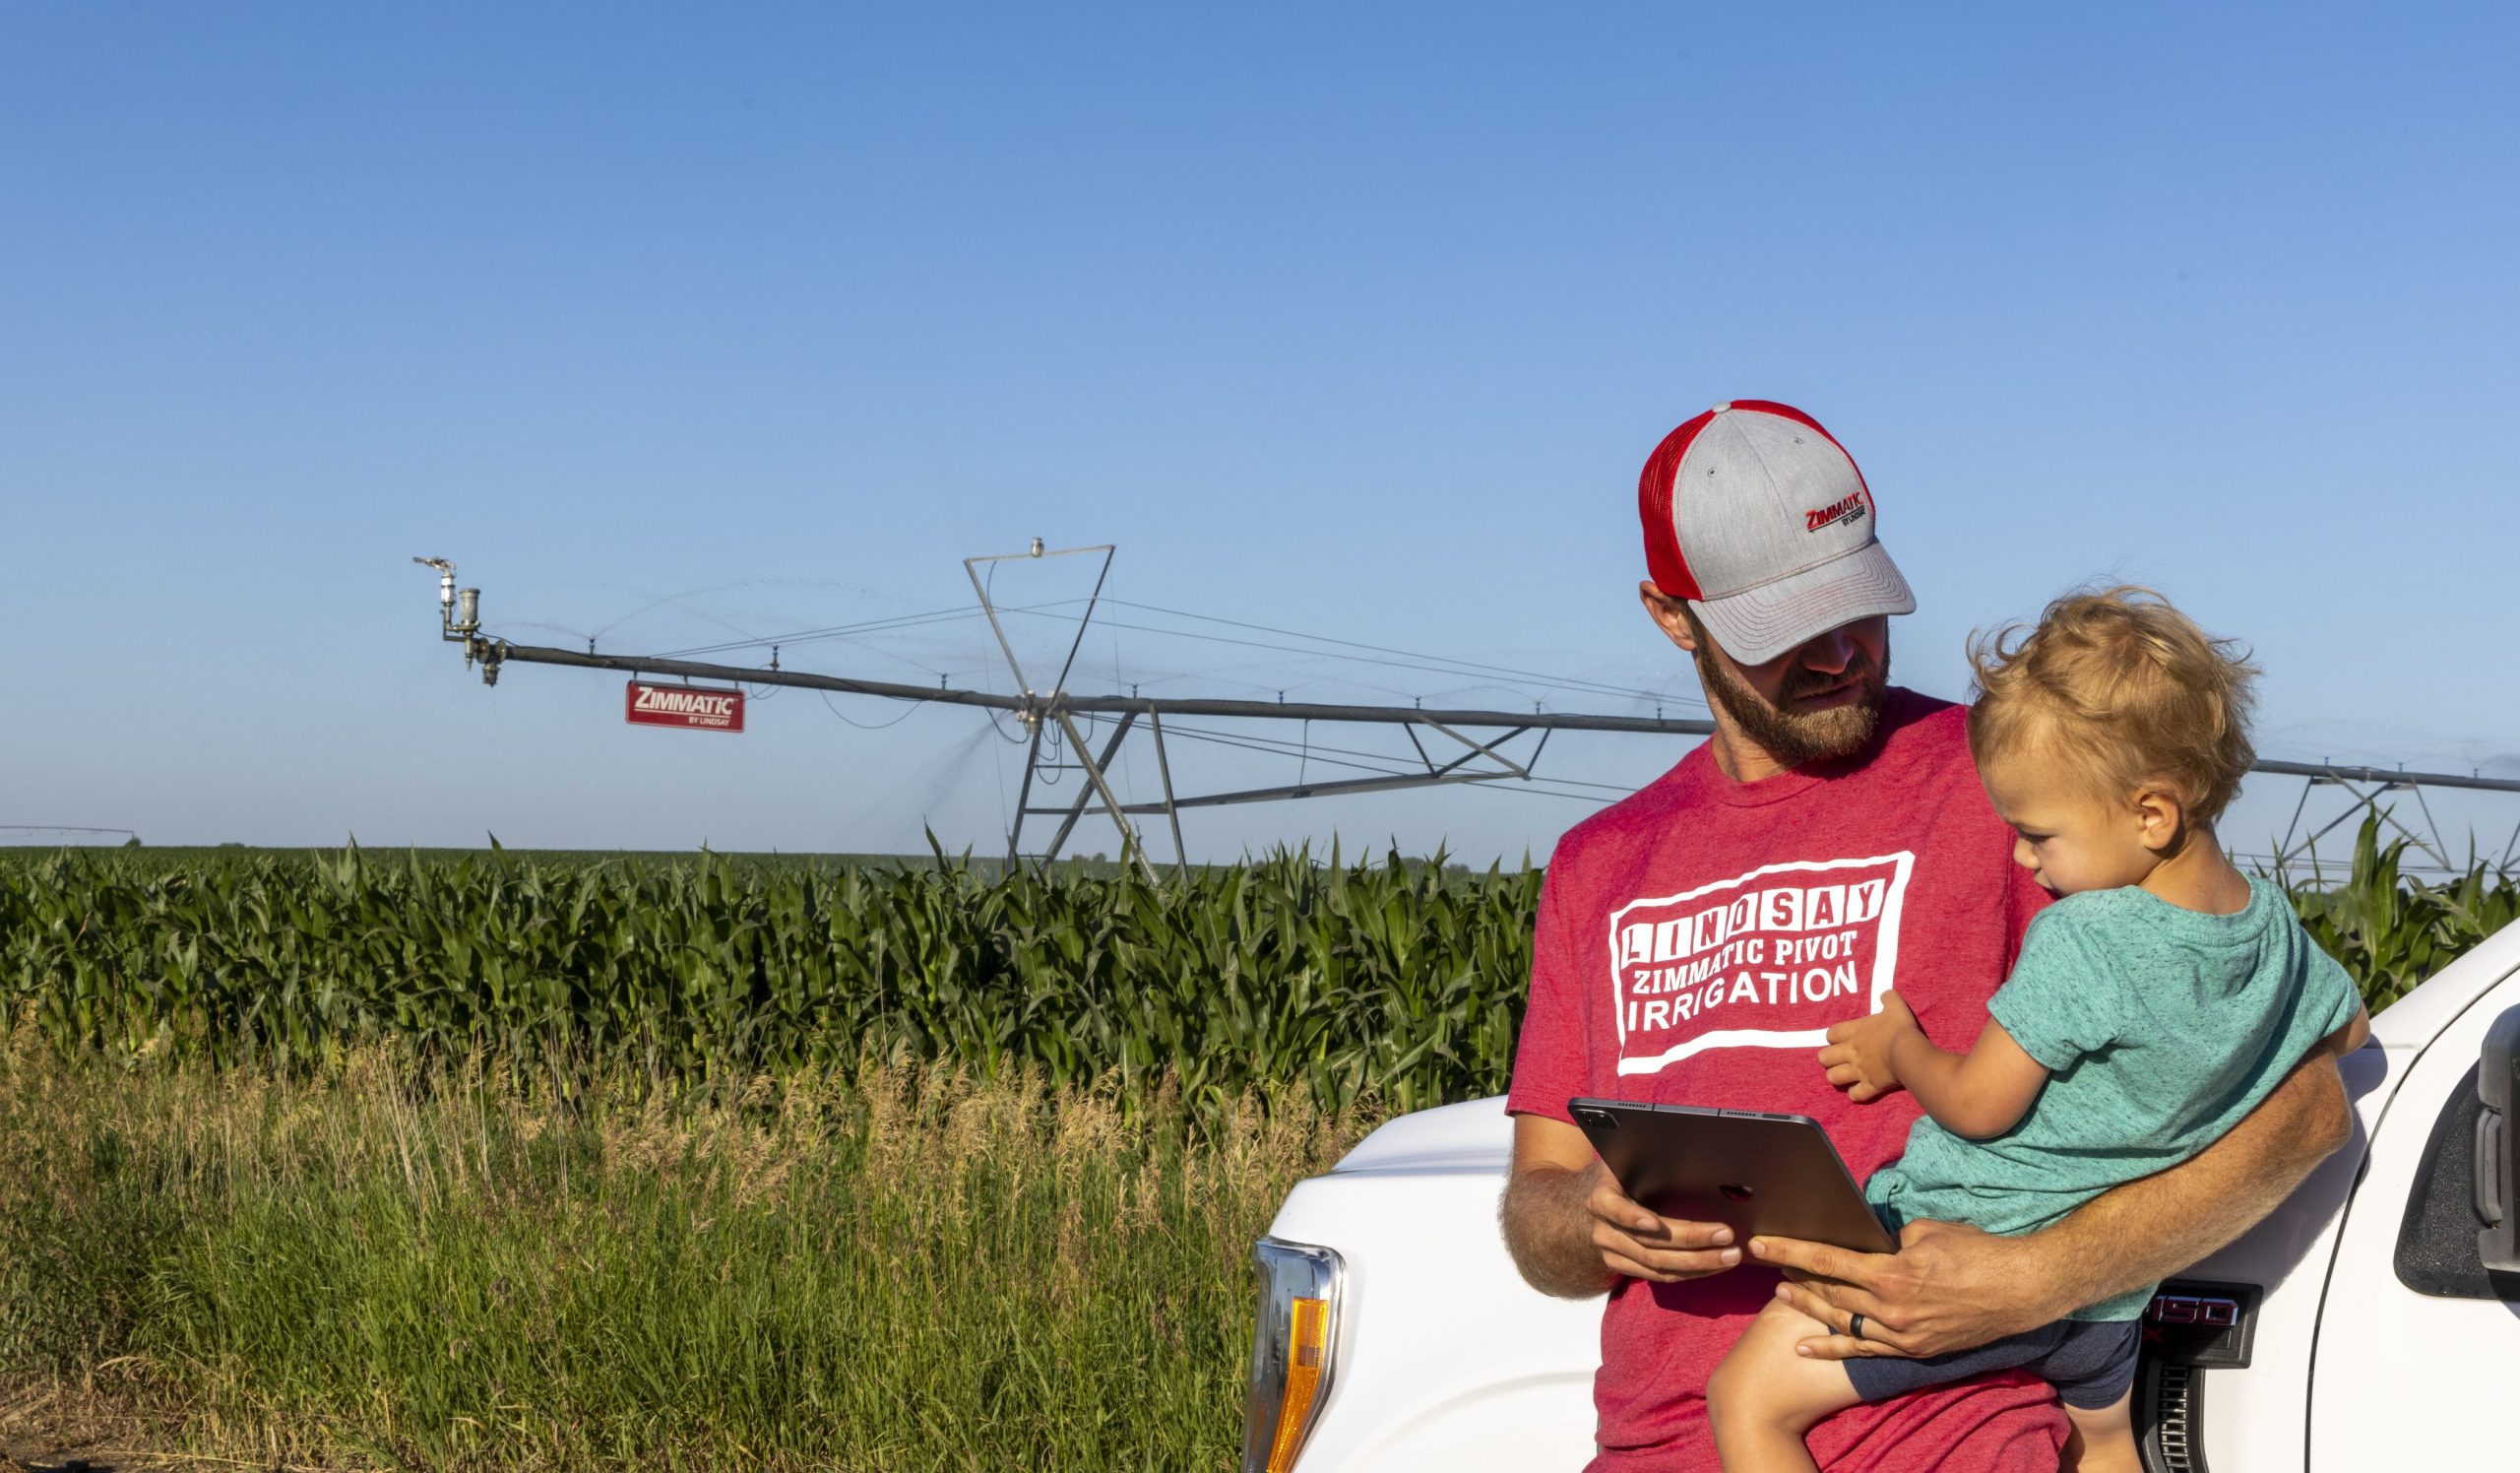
pixel 2090 1362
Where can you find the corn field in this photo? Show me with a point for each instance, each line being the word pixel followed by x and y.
pixel 2392 933
pixel 1396 983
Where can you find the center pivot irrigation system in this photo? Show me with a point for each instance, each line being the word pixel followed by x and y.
pixel 1468 746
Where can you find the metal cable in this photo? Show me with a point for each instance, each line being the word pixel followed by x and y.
pixel 1464 667
pixel 1545 682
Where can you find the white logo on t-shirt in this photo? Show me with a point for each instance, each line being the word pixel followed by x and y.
pixel 1766 960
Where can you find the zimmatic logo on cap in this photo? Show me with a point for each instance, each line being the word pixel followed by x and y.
pixel 1848 510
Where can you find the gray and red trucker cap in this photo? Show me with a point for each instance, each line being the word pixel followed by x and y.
pixel 1758 518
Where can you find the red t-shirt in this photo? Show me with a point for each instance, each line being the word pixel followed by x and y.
pixel 1695 942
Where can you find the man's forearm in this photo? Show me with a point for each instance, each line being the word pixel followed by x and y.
pixel 2151 1229
pixel 1550 1235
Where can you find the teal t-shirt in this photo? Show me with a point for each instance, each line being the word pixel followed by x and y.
pixel 2160 1027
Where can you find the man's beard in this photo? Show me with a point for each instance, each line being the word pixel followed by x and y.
pixel 1798 737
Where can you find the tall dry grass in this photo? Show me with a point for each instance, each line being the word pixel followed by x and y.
pixel 382 1267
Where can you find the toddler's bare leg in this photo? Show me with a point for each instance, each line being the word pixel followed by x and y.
pixel 2102 1440
pixel 1764 1397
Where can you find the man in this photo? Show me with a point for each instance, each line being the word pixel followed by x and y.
pixel 1698 941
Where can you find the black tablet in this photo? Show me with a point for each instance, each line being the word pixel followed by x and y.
pixel 1776 1175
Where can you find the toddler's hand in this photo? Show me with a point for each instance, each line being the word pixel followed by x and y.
pixel 1858 1057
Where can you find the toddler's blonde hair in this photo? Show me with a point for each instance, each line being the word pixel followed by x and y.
pixel 2124 687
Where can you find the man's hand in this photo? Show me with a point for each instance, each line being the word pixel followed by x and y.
pixel 1858 1057
pixel 1947 1288
pixel 1643 1246
pixel 1573 1232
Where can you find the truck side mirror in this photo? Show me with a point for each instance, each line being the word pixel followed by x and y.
pixel 2497 1176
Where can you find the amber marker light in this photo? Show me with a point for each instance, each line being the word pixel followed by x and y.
pixel 1294 1343
pixel 1308 1335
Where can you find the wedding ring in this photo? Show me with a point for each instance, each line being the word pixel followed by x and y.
pixel 1855 1327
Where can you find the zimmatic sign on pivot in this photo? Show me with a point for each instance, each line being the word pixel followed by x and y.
pixel 687 706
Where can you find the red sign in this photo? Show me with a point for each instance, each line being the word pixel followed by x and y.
pixel 693 707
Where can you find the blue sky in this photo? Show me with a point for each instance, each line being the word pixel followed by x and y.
pixel 1354 320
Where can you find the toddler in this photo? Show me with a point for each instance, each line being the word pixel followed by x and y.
pixel 2151 1007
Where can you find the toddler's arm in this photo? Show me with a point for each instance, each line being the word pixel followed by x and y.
pixel 2349 1038
pixel 1982 1093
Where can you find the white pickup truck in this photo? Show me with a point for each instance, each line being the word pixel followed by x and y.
pixel 2373 1321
